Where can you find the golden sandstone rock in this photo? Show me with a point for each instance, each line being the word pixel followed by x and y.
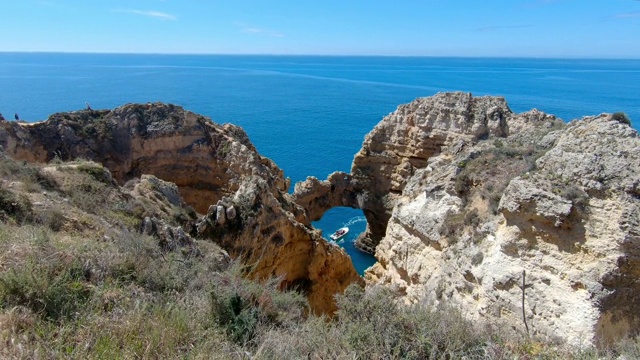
pixel 211 164
pixel 462 197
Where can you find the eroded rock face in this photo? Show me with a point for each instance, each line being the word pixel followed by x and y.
pixel 560 203
pixel 400 144
pixel 462 196
pixel 320 269
pixel 211 164
pixel 205 160
pixel 316 197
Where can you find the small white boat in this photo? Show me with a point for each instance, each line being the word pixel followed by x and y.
pixel 339 234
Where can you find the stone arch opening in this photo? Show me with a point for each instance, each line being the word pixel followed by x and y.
pixel 345 190
pixel 319 196
pixel 355 220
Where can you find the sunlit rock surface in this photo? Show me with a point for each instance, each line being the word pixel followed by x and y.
pixel 211 164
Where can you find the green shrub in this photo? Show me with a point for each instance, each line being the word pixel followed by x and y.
pixel 32 176
pixel 378 328
pixel 89 195
pixel 52 218
pixel 96 171
pixel 139 260
pixel 242 307
pixel 53 290
pixel 370 325
pixel 14 206
pixel 621 118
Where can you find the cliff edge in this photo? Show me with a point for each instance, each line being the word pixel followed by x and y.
pixel 217 171
pixel 466 200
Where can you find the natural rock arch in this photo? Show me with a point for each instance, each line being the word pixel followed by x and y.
pixel 342 189
pixel 216 168
pixel 317 197
pixel 400 144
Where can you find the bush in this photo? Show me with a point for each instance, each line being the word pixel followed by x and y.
pixel 31 176
pixel 370 325
pixel 455 225
pixel 378 328
pixel 578 197
pixel 14 206
pixel 52 218
pixel 243 307
pixel 621 118
pixel 53 290
pixel 96 171
pixel 89 196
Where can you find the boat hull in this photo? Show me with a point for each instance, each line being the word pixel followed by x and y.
pixel 339 234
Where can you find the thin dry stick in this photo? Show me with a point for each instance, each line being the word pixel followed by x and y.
pixel 524 318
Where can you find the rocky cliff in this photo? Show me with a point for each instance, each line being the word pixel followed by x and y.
pixel 497 198
pixel 217 170
pixel 468 205
pixel 399 145
pixel 465 200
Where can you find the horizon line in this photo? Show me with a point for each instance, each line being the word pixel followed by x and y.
pixel 542 57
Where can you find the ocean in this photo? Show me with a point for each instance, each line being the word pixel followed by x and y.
pixel 310 113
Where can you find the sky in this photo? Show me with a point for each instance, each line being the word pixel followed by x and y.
pixel 509 28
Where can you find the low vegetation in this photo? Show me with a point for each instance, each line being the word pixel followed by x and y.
pixel 622 118
pixel 78 280
pixel 487 173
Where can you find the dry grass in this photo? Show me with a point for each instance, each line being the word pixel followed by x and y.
pixel 86 285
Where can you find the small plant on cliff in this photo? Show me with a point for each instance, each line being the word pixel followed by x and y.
pixel 577 196
pixel 244 308
pixel 621 118
pixel 456 225
pixel 95 170
pixel 47 288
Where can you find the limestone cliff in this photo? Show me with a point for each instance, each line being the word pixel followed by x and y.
pixel 406 139
pixel 211 164
pixel 462 195
pixel 204 159
pixel 492 194
pixel 399 145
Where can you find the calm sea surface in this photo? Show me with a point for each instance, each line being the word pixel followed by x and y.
pixel 310 113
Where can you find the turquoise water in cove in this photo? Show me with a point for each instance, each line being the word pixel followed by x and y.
pixel 310 113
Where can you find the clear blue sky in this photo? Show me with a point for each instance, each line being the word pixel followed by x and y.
pixel 538 28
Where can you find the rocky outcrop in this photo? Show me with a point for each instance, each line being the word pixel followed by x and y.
pixel 400 144
pixel 81 198
pixel 522 194
pixel 211 164
pixel 465 199
pixel 316 197
pixel 204 159
pixel 320 269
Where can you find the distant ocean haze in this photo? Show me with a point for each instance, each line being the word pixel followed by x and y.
pixel 309 113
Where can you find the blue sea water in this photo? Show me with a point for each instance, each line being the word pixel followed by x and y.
pixel 310 113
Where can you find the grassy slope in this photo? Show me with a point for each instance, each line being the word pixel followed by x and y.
pixel 77 280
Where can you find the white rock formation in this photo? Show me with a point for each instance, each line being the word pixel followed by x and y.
pixel 467 224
